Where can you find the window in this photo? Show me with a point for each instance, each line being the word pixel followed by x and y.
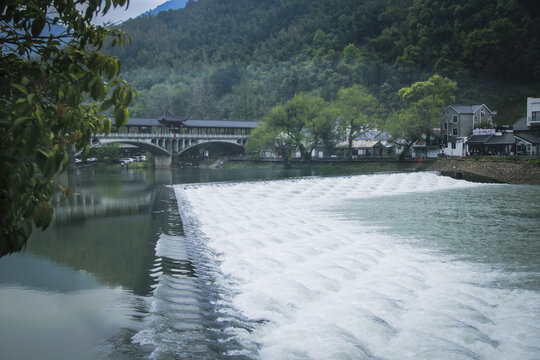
pixel 535 116
pixel 453 145
pixel 454 118
pixel 475 119
pixel 454 132
pixel 445 138
pixel 445 126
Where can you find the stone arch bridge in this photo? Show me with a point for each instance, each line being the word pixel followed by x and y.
pixel 168 137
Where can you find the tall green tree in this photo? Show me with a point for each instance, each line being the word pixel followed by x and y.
pixel 266 139
pixel 326 129
pixel 296 119
pixel 424 105
pixel 359 112
pixel 294 126
pixel 53 88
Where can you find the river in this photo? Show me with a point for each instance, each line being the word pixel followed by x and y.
pixel 277 264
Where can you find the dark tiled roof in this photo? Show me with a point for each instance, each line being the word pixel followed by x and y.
pixel 143 121
pixel 466 109
pixel 529 138
pixel 221 124
pixel 478 139
pixel 521 125
pixel 147 121
pixel 504 139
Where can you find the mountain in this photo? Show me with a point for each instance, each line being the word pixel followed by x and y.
pixel 168 5
pixel 228 57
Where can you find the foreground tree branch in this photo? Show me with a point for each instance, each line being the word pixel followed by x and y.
pixel 53 89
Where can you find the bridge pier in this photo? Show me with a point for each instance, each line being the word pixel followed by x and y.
pixel 162 161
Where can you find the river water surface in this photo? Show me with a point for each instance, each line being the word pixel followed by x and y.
pixel 273 264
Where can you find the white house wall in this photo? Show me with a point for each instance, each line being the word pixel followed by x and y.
pixel 533 105
pixel 458 151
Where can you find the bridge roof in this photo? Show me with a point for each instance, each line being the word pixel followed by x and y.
pixel 151 121
pixel 143 121
pixel 220 124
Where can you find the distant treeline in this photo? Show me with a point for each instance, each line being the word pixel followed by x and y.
pixel 239 58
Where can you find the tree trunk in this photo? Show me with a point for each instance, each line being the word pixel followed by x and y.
pixel 405 151
pixel 349 147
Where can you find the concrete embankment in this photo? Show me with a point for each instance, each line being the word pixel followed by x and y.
pixel 501 171
pixel 484 169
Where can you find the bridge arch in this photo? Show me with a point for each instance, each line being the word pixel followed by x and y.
pixel 236 143
pixel 148 146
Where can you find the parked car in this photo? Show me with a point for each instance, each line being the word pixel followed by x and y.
pixel 78 161
pixel 125 161
pixel 91 160
pixel 140 158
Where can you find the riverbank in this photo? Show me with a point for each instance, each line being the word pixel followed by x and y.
pixel 485 169
pixel 511 172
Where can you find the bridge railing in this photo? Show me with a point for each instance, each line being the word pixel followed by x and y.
pixel 171 136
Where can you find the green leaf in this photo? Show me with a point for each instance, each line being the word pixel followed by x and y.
pixel 121 116
pixel 106 104
pixel 40 116
pixel 124 96
pixel 47 219
pixel 18 122
pixel 21 88
pixel 107 125
pixel 38 25
pixel 42 157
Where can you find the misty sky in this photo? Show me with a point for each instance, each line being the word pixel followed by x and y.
pixel 136 7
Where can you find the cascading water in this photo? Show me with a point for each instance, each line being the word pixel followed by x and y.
pixel 302 270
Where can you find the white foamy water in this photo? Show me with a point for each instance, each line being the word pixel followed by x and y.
pixel 320 285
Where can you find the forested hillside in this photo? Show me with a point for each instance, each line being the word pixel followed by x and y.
pixel 238 58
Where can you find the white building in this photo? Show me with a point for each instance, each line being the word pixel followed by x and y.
pixel 533 111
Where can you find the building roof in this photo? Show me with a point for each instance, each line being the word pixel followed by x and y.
pixel 504 139
pixel 535 140
pixel 374 134
pixel 521 125
pixel 478 139
pixel 467 109
pixel 360 144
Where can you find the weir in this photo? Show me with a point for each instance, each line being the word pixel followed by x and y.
pixel 352 267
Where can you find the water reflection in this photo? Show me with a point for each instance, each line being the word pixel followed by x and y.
pixel 116 250
pixel 51 325
pixel 90 278
pixel 42 275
